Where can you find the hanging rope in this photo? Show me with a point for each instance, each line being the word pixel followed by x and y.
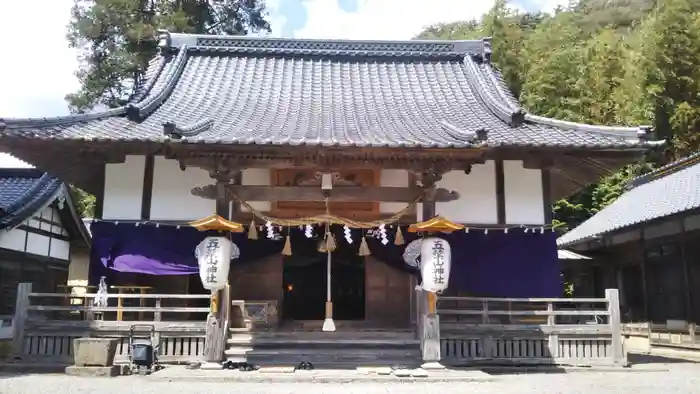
pixel 326 218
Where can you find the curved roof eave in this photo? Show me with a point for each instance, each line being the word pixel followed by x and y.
pixel 142 105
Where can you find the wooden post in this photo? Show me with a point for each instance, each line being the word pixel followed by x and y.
pixel 214 341
pixel 142 303
pixel 553 340
pixel 20 317
pixel 157 315
pixel 430 340
pixel 618 352
pixel 120 305
pixel 431 321
pixel 686 280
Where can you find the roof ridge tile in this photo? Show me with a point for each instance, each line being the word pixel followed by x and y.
pixel 664 171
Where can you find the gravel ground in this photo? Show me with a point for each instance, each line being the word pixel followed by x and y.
pixel 680 378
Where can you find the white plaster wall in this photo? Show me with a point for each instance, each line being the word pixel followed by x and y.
pixel 172 198
pixel 59 249
pixel 124 189
pixel 393 178
pixel 38 244
pixel 13 239
pixel 477 203
pixel 523 194
pixel 257 177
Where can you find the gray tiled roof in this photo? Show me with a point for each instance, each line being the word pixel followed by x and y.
pixel 241 90
pixel 23 192
pixel 669 190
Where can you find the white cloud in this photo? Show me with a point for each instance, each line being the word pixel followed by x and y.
pixel 37 71
pixel 385 19
pixel 276 17
pixel 394 19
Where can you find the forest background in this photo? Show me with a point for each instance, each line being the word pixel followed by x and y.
pixel 612 62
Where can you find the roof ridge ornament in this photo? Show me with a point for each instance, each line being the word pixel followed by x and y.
pixel 165 40
pixel 487 49
pixel 491 97
pixel 642 133
pixel 170 129
pixel 136 112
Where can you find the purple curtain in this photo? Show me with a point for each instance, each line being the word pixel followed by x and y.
pixel 499 264
pixel 162 250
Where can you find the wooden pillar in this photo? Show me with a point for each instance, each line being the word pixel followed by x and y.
pixel 687 283
pixel 430 319
pixel 218 317
pixel 20 317
pixel 645 285
pixel 222 203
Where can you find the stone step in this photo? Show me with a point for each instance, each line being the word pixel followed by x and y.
pixel 394 353
pixel 320 335
pixel 335 359
pixel 240 340
pixel 341 365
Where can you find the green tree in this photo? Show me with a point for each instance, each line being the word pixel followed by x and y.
pixel 587 63
pixel 117 39
pixel 84 202
pixel 671 51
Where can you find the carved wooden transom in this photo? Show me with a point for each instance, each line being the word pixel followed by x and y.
pixel 312 178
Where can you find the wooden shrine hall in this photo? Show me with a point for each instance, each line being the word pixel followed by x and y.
pixel 313 145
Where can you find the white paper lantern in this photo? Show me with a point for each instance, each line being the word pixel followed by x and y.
pixel 436 259
pixel 214 256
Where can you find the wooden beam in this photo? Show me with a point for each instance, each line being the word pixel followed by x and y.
pixel 100 191
pixel 547 196
pixel 500 192
pixel 222 203
pixel 344 193
pixel 328 163
pixel 147 191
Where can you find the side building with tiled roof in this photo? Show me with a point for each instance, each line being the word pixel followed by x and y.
pixel 260 128
pixel 646 243
pixel 40 233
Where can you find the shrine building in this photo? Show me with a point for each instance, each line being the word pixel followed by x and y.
pixel 267 131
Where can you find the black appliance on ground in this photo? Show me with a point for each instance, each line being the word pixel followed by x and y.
pixel 143 349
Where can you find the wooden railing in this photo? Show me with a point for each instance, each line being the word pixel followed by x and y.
pixel 562 331
pixel 684 336
pixel 44 327
pixel 247 315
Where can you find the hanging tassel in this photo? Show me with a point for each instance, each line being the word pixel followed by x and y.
pixel 287 249
pixel 364 248
pixel 322 246
pixel 398 239
pixel 330 242
pixel 252 231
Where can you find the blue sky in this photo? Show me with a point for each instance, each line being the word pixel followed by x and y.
pixel 40 72
pixel 296 12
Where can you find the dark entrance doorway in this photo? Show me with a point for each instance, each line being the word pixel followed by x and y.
pixel 304 282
